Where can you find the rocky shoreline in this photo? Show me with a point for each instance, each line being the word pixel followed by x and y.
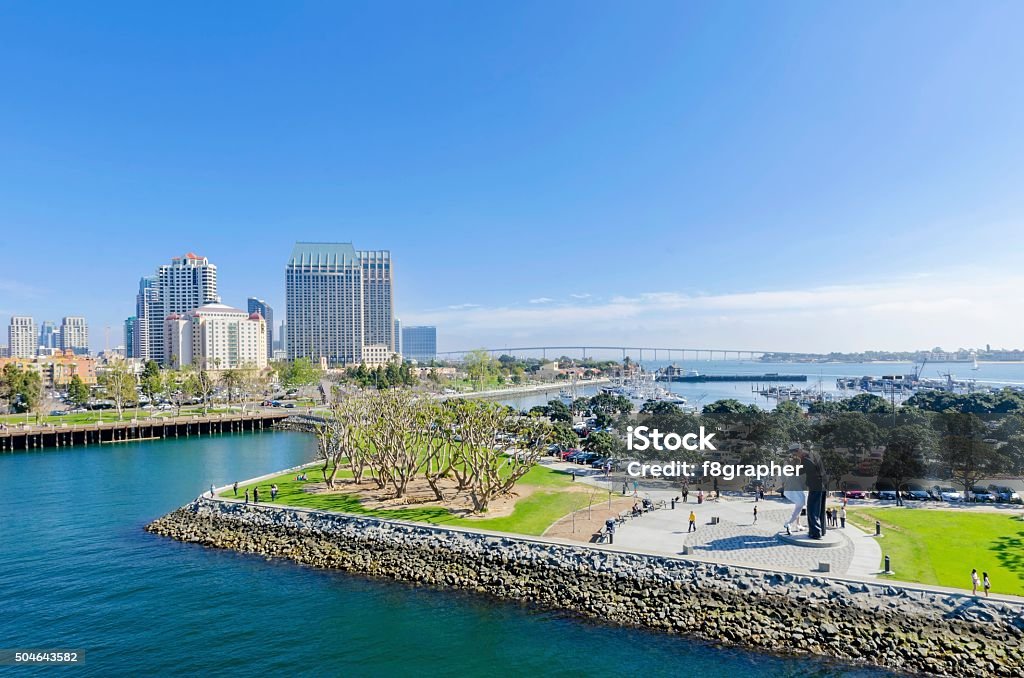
pixel 902 629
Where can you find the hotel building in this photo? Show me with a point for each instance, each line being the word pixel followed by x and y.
pixel 263 308
pixel 215 337
pixel 339 302
pixel 187 283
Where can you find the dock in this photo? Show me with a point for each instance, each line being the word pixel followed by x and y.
pixel 17 437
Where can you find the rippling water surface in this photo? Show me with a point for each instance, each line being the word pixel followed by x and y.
pixel 77 571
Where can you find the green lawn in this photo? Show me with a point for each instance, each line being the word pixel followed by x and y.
pixel 531 515
pixel 110 415
pixel 940 547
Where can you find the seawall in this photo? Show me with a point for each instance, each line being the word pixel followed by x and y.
pixel 890 626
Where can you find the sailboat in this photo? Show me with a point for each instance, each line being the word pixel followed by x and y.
pixel 974 366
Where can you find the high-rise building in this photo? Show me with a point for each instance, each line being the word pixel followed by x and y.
pixel 282 337
pixel 263 308
pixel 339 300
pixel 397 334
pixel 49 335
pixel 145 311
pixel 187 283
pixel 74 335
pixel 130 323
pixel 419 343
pixel 22 339
pixel 216 337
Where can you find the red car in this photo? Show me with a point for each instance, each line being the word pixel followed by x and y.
pixel 854 494
pixel 566 453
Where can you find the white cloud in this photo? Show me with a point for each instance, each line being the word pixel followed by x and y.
pixel 460 307
pixel 952 310
pixel 541 300
pixel 580 296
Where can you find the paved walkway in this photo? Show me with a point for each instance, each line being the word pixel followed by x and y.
pixel 735 538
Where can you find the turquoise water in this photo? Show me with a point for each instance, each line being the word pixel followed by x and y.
pixel 825 374
pixel 77 571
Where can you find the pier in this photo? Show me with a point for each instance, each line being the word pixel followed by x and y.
pixel 30 436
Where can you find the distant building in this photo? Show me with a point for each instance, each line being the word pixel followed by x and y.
pixel 419 343
pixel 282 338
pixel 58 369
pixel 263 308
pixel 49 335
pixel 216 337
pixel 188 282
pixel 339 301
pixel 74 335
pixel 376 355
pixel 398 336
pixel 130 324
pixel 22 338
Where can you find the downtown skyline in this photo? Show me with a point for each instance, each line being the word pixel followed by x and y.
pixel 544 176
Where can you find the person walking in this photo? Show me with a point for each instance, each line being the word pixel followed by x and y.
pixel 985 583
pixel 693 523
pixel 686 494
pixel 211 491
pixel 974 582
pixel 235 488
pixel 247 495
pixel 755 514
pixel 842 517
pixel 255 495
pixel 273 492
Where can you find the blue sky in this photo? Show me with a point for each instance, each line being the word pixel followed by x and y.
pixel 793 177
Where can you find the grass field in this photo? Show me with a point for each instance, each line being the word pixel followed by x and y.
pixel 941 547
pixel 532 515
pixel 109 415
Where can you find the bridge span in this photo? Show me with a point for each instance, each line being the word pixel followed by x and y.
pixel 633 352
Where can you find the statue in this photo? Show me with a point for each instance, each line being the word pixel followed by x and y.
pixel 795 489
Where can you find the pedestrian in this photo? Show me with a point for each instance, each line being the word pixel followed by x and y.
pixel 700 496
pixel 255 495
pixel 235 487
pixel 693 523
pixel 760 493
pixel 273 492
pixel 755 515
pixel 842 517
pixel 974 582
pixel 985 583
pixel 247 495
pixel 686 494
pixel 757 495
pixel 624 488
pixel 211 491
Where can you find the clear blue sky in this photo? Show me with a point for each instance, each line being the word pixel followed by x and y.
pixel 802 175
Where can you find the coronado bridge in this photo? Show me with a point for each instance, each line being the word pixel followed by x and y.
pixel 637 353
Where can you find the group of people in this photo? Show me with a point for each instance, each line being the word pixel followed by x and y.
pixel 984 582
pixel 836 516
pixel 255 492
pixel 642 506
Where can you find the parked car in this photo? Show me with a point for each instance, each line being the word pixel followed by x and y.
pixel 982 495
pixel 854 494
pixel 586 458
pixel 572 455
pixel 566 453
pixel 290 406
pixel 917 495
pixel 1006 495
pixel 950 494
pixel 886 495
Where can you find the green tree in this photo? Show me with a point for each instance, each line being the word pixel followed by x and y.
pixel 605 444
pixel 119 383
pixel 965 452
pixel 905 447
pixel 844 437
pixel 558 411
pixel 78 392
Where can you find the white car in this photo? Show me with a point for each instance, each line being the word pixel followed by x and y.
pixel 949 494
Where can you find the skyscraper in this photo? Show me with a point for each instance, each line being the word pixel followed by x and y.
pixel 419 343
pixel 49 336
pixel 22 339
pixel 339 300
pixel 398 336
pixel 263 308
pixel 216 337
pixel 188 282
pixel 74 335
pixel 130 324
